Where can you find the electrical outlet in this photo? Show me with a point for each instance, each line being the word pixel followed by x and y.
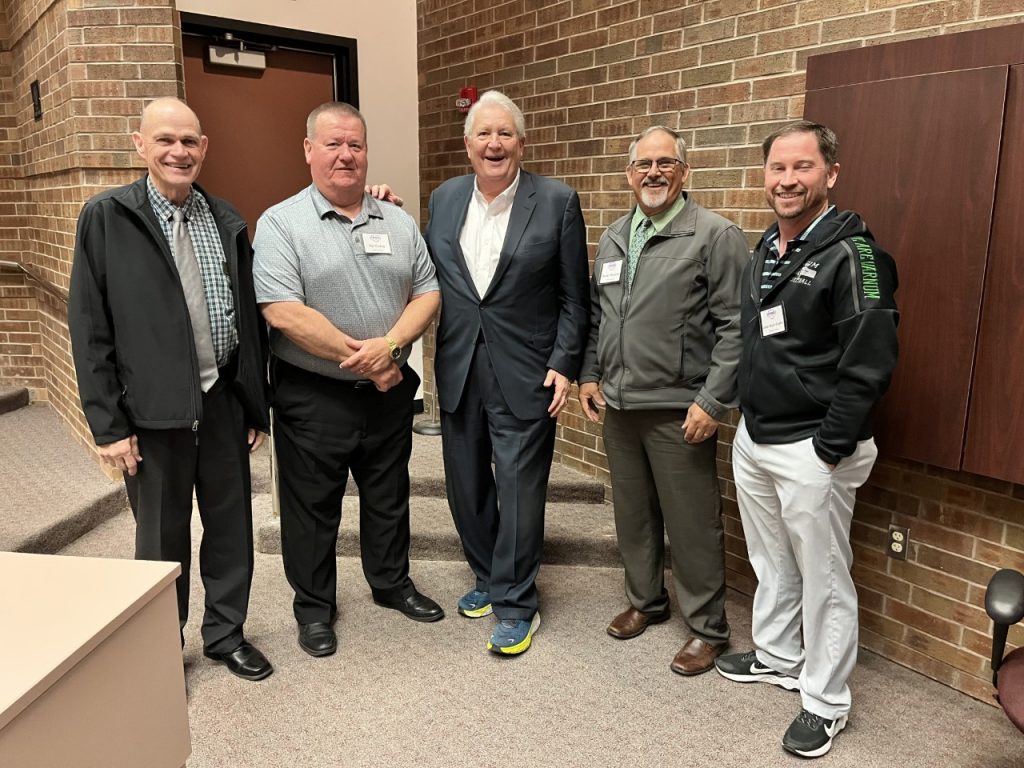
pixel 899 542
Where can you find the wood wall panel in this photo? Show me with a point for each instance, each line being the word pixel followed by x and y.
pixel 918 161
pixel 929 55
pixel 995 430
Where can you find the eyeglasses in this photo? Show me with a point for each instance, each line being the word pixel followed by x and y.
pixel 664 164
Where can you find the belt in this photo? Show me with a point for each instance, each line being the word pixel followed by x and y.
pixel 357 383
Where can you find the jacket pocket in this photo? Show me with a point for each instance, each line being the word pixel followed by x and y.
pixel 543 341
pixel 819 384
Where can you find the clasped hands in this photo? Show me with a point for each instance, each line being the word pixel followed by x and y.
pixel 371 359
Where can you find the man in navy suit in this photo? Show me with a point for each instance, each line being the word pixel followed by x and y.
pixel 511 257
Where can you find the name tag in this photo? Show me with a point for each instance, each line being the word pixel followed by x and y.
pixel 611 272
pixel 376 243
pixel 773 320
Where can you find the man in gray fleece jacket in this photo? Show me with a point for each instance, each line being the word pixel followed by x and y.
pixel 662 356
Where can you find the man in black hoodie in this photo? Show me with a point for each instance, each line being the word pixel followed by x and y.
pixel 819 346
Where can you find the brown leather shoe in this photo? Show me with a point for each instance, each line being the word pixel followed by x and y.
pixel 632 622
pixel 696 657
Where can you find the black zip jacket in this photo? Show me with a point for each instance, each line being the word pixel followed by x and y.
pixel 130 331
pixel 823 375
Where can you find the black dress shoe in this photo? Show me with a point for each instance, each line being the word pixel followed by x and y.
pixel 317 639
pixel 245 661
pixel 416 606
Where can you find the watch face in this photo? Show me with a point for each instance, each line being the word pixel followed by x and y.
pixel 396 353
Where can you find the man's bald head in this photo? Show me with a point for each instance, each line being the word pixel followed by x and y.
pixel 165 106
pixel 171 142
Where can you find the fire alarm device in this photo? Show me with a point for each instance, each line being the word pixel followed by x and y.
pixel 467 97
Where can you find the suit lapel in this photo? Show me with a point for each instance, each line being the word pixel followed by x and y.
pixel 461 204
pixel 519 218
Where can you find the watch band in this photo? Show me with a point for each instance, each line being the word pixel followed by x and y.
pixel 393 348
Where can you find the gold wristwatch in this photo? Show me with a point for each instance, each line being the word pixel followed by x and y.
pixel 395 350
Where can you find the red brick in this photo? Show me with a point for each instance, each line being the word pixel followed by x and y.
pixel 857 27
pixel 770 19
pixel 723 94
pixel 821 10
pixel 728 51
pixel 703 33
pixel 934 14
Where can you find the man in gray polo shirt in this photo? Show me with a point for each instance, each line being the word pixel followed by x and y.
pixel 347 286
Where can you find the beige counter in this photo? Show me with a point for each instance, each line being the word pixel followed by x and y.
pixel 90 664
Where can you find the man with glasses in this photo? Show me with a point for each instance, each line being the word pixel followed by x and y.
pixel 662 354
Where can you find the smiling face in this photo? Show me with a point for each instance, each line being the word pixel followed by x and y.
pixel 797 180
pixel 337 160
pixel 656 190
pixel 494 149
pixel 171 142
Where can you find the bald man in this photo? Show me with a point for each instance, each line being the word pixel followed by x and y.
pixel 170 353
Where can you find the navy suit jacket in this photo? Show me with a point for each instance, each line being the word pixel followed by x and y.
pixel 535 313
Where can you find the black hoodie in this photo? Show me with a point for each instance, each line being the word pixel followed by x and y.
pixel 823 374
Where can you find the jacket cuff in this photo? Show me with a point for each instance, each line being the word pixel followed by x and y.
pixel 713 408
pixel 823 453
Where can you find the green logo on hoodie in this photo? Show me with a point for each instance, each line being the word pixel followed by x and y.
pixel 868 268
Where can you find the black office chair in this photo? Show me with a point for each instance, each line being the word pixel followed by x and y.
pixel 1004 602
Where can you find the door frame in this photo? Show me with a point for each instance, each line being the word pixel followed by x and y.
pixel 343 49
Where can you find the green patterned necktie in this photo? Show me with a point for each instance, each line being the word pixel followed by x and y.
pixel 636 245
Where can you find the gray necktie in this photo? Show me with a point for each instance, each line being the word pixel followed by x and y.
pixel 195 297
pixel 640 237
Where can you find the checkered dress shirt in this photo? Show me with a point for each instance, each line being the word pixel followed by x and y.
pixel 212 265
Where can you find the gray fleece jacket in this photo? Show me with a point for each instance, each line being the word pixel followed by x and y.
pixel 674 338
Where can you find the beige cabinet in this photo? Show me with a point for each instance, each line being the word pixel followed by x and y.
pixel 91 671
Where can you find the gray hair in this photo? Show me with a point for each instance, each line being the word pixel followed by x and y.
pixel 496 99
pixel 828 144
pixel 332 107
pixel 680 141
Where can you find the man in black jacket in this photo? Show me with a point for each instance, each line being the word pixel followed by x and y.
pixel 170 355
pixel 819 346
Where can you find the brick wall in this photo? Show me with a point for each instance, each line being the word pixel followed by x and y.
pixel 97 61
pixel 590 74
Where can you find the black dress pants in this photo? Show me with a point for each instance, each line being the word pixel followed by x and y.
pixel 323 428
pixel 215 461
pixel 499 514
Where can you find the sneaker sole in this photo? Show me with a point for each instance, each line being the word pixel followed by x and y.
pixel 522 646
pixel 789 683
pixel 823 749
pixel 476 613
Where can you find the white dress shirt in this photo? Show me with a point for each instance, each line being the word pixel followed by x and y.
pixel 483 234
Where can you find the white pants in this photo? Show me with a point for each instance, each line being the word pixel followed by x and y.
pixel 796 518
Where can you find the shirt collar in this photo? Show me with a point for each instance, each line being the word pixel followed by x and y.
pixel 502 201
pixel 370 209
pixel 802 237
pixel 659 220
pixel 164 208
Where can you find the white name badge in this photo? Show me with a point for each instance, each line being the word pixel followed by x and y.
pixel 376 243
pixel 611 272
pixel 773 320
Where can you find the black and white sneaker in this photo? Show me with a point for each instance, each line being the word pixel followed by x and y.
pixel 810 735
pixel 745 668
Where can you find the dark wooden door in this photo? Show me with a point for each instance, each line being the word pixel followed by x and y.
pixel 995 430
pixel 256 121
pixel 918 160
